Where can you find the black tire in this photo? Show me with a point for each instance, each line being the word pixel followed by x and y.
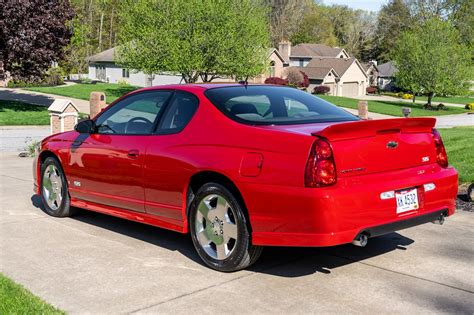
pixel 243 253
pixel 62 208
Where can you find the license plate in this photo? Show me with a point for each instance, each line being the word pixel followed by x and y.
pixel 407 200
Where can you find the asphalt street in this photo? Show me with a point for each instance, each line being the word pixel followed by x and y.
pixel 93 263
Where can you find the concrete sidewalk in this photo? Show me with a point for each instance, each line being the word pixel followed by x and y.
pixel 98 264
pixel 38 98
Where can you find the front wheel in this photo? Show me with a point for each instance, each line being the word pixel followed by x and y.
pixel 54 190
pixel 219 230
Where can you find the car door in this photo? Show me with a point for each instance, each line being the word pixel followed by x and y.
pixel 166 172
pixel 106 167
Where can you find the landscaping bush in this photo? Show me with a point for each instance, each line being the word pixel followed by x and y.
pixel 123 82
pixel 305 82
pixel 407 96
pixel 371 90
pixel 321 89
pixel 276 80
pixel 390 94
pixel 469 106
pixel 440 107
pixel 52 77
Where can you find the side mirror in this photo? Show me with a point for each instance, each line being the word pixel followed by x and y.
pixel 85 126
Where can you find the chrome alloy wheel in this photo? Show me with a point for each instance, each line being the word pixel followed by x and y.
pixel 52 187
pixel 216 226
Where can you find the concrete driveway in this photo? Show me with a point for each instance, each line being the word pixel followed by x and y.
pixel 98 264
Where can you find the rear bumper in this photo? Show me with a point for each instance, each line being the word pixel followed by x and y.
pixel 292 216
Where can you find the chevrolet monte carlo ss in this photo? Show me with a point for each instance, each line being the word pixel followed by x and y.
pixel 240 167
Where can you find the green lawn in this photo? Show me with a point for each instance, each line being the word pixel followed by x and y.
pixel 392 108
pixel 19 113
pixel 83 91
pixel 14 299
pixel 450 99
pixel 460 148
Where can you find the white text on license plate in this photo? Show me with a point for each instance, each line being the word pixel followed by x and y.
pixel 406 200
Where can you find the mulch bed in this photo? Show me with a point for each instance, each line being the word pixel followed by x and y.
pixel 462 202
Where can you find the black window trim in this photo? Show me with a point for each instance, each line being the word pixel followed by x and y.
pixel 265 123
pixel 155 123
pixel 173 131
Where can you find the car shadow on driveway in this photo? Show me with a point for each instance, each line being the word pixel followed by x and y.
pixel 278 261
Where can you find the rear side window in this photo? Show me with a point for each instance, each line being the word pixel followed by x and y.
pixel 178 113
pixel 267 105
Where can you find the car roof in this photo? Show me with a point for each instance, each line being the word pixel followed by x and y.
pixel 204 86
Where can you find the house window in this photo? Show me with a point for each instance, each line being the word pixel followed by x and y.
pixel 301 62
pixel 125 73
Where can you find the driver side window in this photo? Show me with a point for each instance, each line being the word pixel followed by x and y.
pixel 136 114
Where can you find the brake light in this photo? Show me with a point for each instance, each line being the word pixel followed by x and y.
pixel 441 156
pixel 320 168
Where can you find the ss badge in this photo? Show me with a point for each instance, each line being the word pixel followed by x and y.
pixel 425 159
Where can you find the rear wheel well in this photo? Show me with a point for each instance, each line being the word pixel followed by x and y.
pixel 202 178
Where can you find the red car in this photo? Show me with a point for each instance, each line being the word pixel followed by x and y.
pixel 245 166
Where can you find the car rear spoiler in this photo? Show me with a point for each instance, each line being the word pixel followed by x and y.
pixel 368 128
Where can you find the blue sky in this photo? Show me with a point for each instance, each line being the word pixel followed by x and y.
pixel 370 5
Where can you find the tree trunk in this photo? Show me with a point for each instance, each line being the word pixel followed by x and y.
pixel 430 97
pixel 111 28
pixel 100 30
pixel 414 97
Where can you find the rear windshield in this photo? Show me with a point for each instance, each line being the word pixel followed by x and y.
pixel 268 105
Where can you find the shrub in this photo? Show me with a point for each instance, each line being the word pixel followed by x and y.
pixel 276 80
pixel 400 94
pixel 305 82
pixel 469 106
pixel 371 90
pixel 123 82
pixel 86 81
pixel 440 107
pixel 321 89
pixel 407 96
pixel 53 77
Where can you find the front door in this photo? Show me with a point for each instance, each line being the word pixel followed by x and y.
pixel 106 167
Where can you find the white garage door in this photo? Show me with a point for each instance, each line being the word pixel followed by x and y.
pixel 350 89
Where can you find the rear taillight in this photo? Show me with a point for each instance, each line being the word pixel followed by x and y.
pixel 441 156
pixel 320 168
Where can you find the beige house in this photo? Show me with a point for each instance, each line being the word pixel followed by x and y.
pixel 329 66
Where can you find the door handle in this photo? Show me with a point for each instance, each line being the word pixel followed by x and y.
pixel 133 153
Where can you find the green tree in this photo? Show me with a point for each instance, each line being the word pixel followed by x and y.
pixel 430 59
pixel 195 38
pixel 315 27
pixel 394 18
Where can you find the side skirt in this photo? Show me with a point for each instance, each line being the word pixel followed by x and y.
pixel 131 215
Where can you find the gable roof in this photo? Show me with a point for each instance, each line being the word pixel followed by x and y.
pixel 387 69
pixel 367 65
pixel 340 65
pixel 59 105
pixel 104 56
pixel 313 50
pixel 317 73
pixel 274 50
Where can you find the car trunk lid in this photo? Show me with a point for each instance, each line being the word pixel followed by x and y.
pixel 372 146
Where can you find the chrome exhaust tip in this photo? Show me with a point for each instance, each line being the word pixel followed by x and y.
pixel 361 240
